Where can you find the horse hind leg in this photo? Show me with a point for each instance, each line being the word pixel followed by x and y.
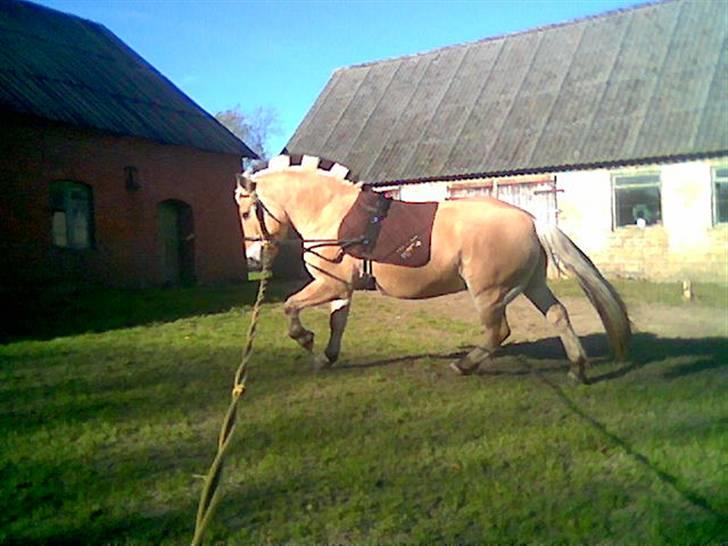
pixel 556 314
pixel 495 330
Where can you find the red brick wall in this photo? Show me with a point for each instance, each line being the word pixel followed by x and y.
pixel 126 253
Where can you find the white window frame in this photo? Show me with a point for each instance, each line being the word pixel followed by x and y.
pixel 72 218
pixel 716 179
pixel 625 176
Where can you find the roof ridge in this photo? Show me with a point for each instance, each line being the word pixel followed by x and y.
pixel 542 28
pixel 55 12
pixel 70 45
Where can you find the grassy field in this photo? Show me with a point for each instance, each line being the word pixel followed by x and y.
pixel 111 402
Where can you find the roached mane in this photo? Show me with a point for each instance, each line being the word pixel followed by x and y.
pixel 302 162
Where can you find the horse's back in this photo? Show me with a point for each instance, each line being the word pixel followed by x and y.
pixel 484 207
pixel 497 240
pixel 486 215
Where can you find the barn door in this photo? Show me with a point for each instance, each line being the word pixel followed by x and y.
pixel 536 195
pixel 176 240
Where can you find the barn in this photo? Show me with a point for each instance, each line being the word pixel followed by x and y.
pixel 111 175
pixel 613 126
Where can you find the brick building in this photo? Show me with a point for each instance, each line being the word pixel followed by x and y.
pixel 110 174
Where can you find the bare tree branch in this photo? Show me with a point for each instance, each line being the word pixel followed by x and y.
pixel 255 127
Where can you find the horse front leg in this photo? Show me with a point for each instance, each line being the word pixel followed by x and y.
pixel 337 324
pixel 316 293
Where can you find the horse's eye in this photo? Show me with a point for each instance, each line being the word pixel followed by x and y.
pixel 246 215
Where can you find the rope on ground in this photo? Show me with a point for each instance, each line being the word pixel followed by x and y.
pixel 211 492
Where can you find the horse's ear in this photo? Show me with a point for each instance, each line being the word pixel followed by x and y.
pixel 245 184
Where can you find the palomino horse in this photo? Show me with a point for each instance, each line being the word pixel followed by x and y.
pixel 494 250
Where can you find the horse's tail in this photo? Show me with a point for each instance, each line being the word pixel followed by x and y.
pixel 566 255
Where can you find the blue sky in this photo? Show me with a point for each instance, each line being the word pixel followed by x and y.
pixel 251 53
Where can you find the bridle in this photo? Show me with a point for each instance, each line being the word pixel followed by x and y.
pixel 260 210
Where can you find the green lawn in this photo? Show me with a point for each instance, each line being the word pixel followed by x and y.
pixel 109 414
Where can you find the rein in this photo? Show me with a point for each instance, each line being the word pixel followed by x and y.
pixel 261 210
pixel 212 489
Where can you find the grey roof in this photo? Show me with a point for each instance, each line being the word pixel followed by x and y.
pixel 67 69
pixel 647 83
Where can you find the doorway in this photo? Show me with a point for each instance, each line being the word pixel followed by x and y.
pixel 177 242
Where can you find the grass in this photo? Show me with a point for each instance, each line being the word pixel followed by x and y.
pixel 670 293
pixel 106 427
pixel 257 275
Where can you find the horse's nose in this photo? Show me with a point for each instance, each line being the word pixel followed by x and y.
pixel 254 251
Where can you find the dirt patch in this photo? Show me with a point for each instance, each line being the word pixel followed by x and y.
pixel 527 324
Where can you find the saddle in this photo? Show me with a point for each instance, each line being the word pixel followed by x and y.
pixel 391 232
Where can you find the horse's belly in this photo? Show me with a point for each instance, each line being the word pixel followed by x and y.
pixel 417 282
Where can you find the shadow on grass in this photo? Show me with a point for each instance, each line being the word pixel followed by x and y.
pixel 399 360
pixel 46 313
pixel 665 477
pixel 647 349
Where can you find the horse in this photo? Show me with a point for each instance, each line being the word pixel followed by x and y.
pixel 490 248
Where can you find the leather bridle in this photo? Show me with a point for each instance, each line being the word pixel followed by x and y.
pixel 260 210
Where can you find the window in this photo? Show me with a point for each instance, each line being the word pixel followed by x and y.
pixel 720 195
pixel 637 200
pixel 71 215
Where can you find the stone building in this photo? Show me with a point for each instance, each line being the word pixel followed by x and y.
pixel 614 126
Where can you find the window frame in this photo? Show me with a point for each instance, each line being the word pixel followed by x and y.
pixel 714 181
pixel 615 176
pixel 62 201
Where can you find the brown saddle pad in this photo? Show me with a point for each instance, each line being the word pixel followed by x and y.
pixel 395 232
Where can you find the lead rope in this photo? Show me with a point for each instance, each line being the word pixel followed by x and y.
pixel 211 491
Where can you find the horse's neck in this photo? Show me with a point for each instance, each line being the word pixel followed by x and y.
pixel 316 205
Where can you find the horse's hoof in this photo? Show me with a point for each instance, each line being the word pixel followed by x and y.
pixel 331 357
pixel 578 378
pixel 460 370
pixel 321 363
pixel 306 341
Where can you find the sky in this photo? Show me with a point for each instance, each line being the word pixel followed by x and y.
pixel 281 53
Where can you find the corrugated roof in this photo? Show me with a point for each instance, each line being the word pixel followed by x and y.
pixel 648 83
pixel 67 69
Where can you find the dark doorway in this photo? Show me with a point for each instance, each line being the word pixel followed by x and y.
pixel 177 242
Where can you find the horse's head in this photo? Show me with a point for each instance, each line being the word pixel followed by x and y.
pixel 261 221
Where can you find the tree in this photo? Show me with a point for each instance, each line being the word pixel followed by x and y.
pixel 254 127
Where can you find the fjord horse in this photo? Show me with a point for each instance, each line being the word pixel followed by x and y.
pixel 494 250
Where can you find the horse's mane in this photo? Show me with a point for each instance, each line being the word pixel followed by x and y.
pixel 302 162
